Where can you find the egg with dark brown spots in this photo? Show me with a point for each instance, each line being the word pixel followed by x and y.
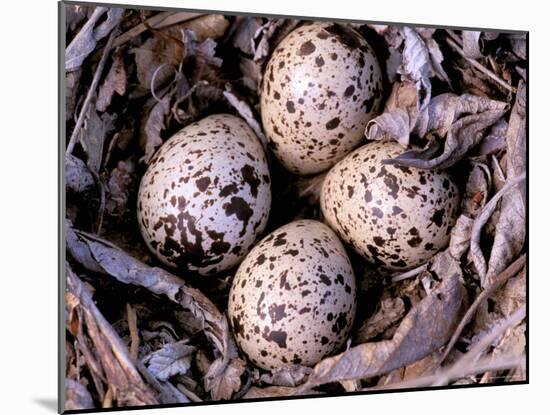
pixel 205 197
pixel 396 217
pixel 292 300
pixel 321 87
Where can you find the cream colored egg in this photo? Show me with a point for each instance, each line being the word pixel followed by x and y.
pixel 292 300
pixel 396 217
pixel 321 86
pixel 206 195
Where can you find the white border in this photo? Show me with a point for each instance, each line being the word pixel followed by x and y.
pixel 28 206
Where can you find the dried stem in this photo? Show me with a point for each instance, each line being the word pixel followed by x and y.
pixel 490 74
pixel 191 395
pixel 470 358
pixel 458 371
pixel 115 363
pixel 409 274
pixel 134 336
pixel 504 276
pixel 494 334
pixel 91 92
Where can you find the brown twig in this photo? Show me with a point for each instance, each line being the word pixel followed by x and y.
pixel 190 394
pixel 102 202
pixel 91 92
pixel 117 366
pixel 132 327
pixel 454 36
pixel 157 21
pixel 470 358
pixel 494 334
pixel 166 391
pixel 457 372
pixel 504 276
pixel 490 74
pixel 409 274
pixel 108 399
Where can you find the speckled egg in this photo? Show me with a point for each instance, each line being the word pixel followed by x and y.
pixel 396 217
pixel 292 300
pixel 321 86
pixel 205 197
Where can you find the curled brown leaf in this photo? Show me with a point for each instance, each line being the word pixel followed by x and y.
pixel 463 135
pixel 442 117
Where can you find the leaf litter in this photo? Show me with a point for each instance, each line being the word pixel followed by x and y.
pixel 457 101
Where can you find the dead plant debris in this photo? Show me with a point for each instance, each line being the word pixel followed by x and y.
pixel 137 334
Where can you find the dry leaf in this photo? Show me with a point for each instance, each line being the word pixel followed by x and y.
pixel 485 214
pixel 74 14
pixel 98 255
pixel 463 135
pixel 113 363
pixel 245 112
pixel 222 384
pixel 78 178
pixel 157 57
pixel 120 183
pixel 154 125
pixel 420 368
pixel 115 81
pixel 77 396
pixel 395 376
pixel 519 45
pixel 92 136
pixel 72 82
pixel 470 44
pixel 275 391
pixel 270 34
pixel 477 190
pixel 161 54
pixel 511 230
pixel 204 50
pixel 513 295
pixel 420 60
pixel 390 311
pixel 289 376
pixel 471 82
pixel 436 58
pixel 243 36
pixel 425 328
pixel 211 26
pixel 460 236
pixel 172 359
pixel 416 64
pixel 395 123
pixel 86 40
pixel 252 74
pixel 401 118
pixel 512 343
pixel 495 141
